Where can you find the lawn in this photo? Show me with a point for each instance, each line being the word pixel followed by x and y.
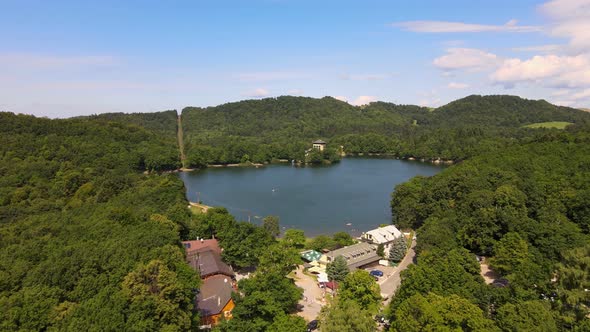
pixel 553 124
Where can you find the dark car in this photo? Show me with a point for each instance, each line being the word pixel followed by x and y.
pixel 376 273
pixel 312 326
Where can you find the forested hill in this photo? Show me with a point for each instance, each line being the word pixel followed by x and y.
pixel 527 208
pixel 502 111
pixel 163 123
pixel 87 241
pixel 283 127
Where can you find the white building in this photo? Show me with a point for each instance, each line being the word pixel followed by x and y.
pixel 319 145
pixel 382 235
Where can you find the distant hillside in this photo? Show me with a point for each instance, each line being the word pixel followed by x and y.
pixel 162 122
pixel 504 111
pixel 283 127
pixel 585 109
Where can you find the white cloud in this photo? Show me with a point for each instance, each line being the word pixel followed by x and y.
pixel 571 20
pixel 257 93
pixel 363 100
pixel 454 85
pixel 465 58
pixel 566 8
pixel 341 98
pixel 539 48
pixel 552 70
pixel 584 94
pixel 453 27
pixel 431 102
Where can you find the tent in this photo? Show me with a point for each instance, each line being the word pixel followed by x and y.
pixel 311 255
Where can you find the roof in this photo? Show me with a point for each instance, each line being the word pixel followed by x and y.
pixel 208 262
pixel 356 255
pixel 201 245
pixel 332 285
pixel 311 255
pixel 319 141
pixel 214 294
pixel 384 234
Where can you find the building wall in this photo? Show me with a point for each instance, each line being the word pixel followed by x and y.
pixel 215 319
pixel 318 146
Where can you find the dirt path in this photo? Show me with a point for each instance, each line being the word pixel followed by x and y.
pixel 180 137
pixel 313 296
pixel 489 276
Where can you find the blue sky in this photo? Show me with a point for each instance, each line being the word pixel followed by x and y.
pixel 65 58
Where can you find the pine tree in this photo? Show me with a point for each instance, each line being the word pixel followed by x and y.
pixel 337 270
pixel 398 249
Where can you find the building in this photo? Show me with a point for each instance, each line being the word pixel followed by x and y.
pixel 205 257
pixel 214 300
pixel 209 263
pixel 319 145
pixel 356 255
pixel 382 235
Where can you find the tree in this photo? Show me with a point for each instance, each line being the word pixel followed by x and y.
pixel 271 224
pixel 526 316
pixel 322 242
pixel 346 316
pixel 360 287
pixel 398 249
pixel 337 270
pixel 573 279
pixel 510 253
pixel 295 238
pixel 342 239
pixel 438 313
pixel 157 297
pixel 381 250
pixel 287 323
pixel 279 258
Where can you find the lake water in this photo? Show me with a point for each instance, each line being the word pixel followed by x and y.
pixel 318 200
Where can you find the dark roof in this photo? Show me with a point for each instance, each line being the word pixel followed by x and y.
pixel 201 245
pixel 214 294
pixel 319 142
pixel 208 263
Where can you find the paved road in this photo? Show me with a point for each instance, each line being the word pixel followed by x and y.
pixel 390 285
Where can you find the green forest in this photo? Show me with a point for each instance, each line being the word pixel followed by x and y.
pixel 284 127
pixel 91 217
pixel 527 208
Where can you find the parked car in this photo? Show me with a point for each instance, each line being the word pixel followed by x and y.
pixel 312 326
pixel 376 273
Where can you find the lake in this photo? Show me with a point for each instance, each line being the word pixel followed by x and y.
pixel 351 196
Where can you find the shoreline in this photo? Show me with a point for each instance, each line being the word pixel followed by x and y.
pixel 437 161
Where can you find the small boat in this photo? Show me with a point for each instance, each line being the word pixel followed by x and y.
pixel 348 224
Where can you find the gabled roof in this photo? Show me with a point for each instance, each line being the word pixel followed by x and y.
pixel 384 234
pixel 356 255
pixel 214 294
pixel 208 262
pixel 319 141
pixel 201 245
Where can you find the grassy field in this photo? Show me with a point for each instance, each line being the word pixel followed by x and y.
pixel 554 124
